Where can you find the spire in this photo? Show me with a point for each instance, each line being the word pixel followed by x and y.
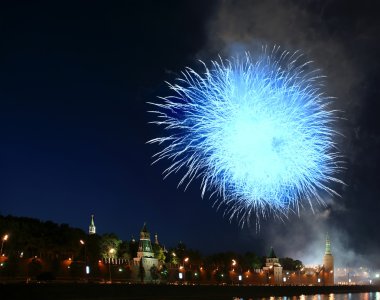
pixel 145 245
pixel 144 233
pixel 156 239
pixel 328 245
pixel 144 228
pixel 92 228
pixel 271 253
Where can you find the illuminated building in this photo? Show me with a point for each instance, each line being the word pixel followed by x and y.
pixel 328 264
pixel 145 255
pixel 92 228
pixel 273 268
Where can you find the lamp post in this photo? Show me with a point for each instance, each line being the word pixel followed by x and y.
pixel 4 239
pixel 111 252
pixel 233 265
pixel 185 260
pixel 83 243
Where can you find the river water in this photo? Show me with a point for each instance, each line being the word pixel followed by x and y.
pixel 349 296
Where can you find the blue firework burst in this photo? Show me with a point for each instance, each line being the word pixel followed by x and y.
pixel 257 131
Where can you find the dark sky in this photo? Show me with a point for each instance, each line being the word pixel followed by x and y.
pixel 74 81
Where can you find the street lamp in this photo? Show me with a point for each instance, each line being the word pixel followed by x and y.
pixel 111 252
pixel 86 268
pixel 4 239
pixel 233 262
pixel 185 260
pixel 85 251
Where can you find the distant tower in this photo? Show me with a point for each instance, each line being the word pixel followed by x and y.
pixel 273 268
pixel 92 228
pixel 328 264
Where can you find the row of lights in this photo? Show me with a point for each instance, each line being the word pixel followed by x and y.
pixel 112 252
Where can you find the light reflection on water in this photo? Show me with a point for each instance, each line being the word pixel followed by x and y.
pixel 349 296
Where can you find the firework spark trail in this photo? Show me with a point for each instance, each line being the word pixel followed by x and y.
pixel 258 132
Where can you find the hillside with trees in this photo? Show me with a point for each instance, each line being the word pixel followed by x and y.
pixel 43 249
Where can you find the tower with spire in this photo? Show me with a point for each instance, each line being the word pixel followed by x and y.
pixel 145 245
pixel 92 228
pixel 273 268
pixel 328 264
pixel 145 255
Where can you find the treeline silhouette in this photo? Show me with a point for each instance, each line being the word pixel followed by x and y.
pixel 35 246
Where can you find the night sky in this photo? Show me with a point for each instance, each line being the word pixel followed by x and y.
pixel 75 79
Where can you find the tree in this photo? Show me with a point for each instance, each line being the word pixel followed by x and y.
pixel 174 260
pixel 252 261
pixel 195 257
pixel 107 243
pixel 46 240
pixel 93 254
pixel 291 265
pixel 123 251
pixel 180 251
pixel 133 247
pixel 159 253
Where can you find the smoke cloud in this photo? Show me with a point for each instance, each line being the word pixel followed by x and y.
pixel 316 29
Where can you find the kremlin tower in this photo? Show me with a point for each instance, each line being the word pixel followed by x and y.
pixel 273 268
pixel 92 228
pixel 328 264
pixel 145 256
pixel 145 245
